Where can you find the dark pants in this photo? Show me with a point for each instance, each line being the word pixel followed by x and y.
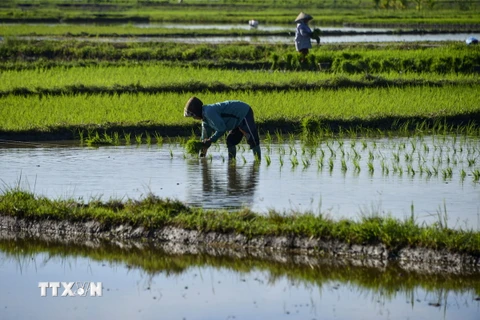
pixel 247 129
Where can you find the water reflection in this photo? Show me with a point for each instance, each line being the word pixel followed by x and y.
pixel 234 186
pixel 146 280
pixel 287 39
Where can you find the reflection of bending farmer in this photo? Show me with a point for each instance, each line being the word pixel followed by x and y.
pixel 233 116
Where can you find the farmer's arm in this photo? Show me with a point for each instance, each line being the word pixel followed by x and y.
pixel 207 131
pixel 304 30
pixel 215 121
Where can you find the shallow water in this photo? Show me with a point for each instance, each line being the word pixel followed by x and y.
pixel 151 284
pixel 288 38
pixel 457 37
pixel 431 177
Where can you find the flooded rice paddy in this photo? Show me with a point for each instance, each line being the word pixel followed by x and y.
pixel 435 178
pixel 350 34
pixel 288 39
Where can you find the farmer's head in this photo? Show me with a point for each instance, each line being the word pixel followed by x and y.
pixel 193 108
pixel 302 16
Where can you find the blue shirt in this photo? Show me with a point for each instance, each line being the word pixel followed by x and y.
pixel 221 117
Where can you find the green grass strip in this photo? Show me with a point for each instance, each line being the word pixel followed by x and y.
pixel 152 212
pixel 47 113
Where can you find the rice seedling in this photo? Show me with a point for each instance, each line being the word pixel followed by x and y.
pixel 320 164
pixel 306 163
pixel 193 146
pixel 126 137
pixel 96 140
pixel 148 138
pixel 80 135
pixel 371 167
pixel 268 160
pixel 471 162
pixel 158 138
pixel 447 173
pixel 331 165
pixel 344 167
pixel 476 175
pixel 139 138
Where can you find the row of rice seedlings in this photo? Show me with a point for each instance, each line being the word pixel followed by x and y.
pixel 411 157
pixel 94 138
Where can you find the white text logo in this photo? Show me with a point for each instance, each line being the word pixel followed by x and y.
pixel 70 289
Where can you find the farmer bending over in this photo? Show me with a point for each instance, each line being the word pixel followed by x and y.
pixel 233 116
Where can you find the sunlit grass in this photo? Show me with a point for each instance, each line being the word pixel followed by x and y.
pixel 153 212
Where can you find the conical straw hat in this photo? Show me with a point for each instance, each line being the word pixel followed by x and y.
pixel 303 16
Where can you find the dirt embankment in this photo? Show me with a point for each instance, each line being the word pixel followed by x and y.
pixel 183 240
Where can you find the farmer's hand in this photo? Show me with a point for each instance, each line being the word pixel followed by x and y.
pixel 206 144
pixel 316 35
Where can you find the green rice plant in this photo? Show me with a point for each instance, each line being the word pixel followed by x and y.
pixel 306 163
pixel 384 167
pixel 310 126
pixel 148 138
pixel 371 157
pixel 371 168
pixel 99 141
pixel 476 175
pixel 171 153
pixel 320 164
pixel 447 173
pixel 331 165
pixel 364 145
pixel 139 138
pixel 158 138
pixel 116 138
pixel 80 134
pixel 356 165
pixel 268 138
pixel 400 171
pixel 268 160
pixel 471 162
pixel 410 170
pixel 344 167
pixel 278 136
pixel 280 159
pixel 126 137
pixel 294 161
pixel 193 146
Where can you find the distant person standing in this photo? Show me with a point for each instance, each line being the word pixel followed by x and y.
pixel 304 34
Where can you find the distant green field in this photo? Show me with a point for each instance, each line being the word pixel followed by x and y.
pixel 229 11
pixel 166 109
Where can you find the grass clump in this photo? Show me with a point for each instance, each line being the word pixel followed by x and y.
pixel 193 146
